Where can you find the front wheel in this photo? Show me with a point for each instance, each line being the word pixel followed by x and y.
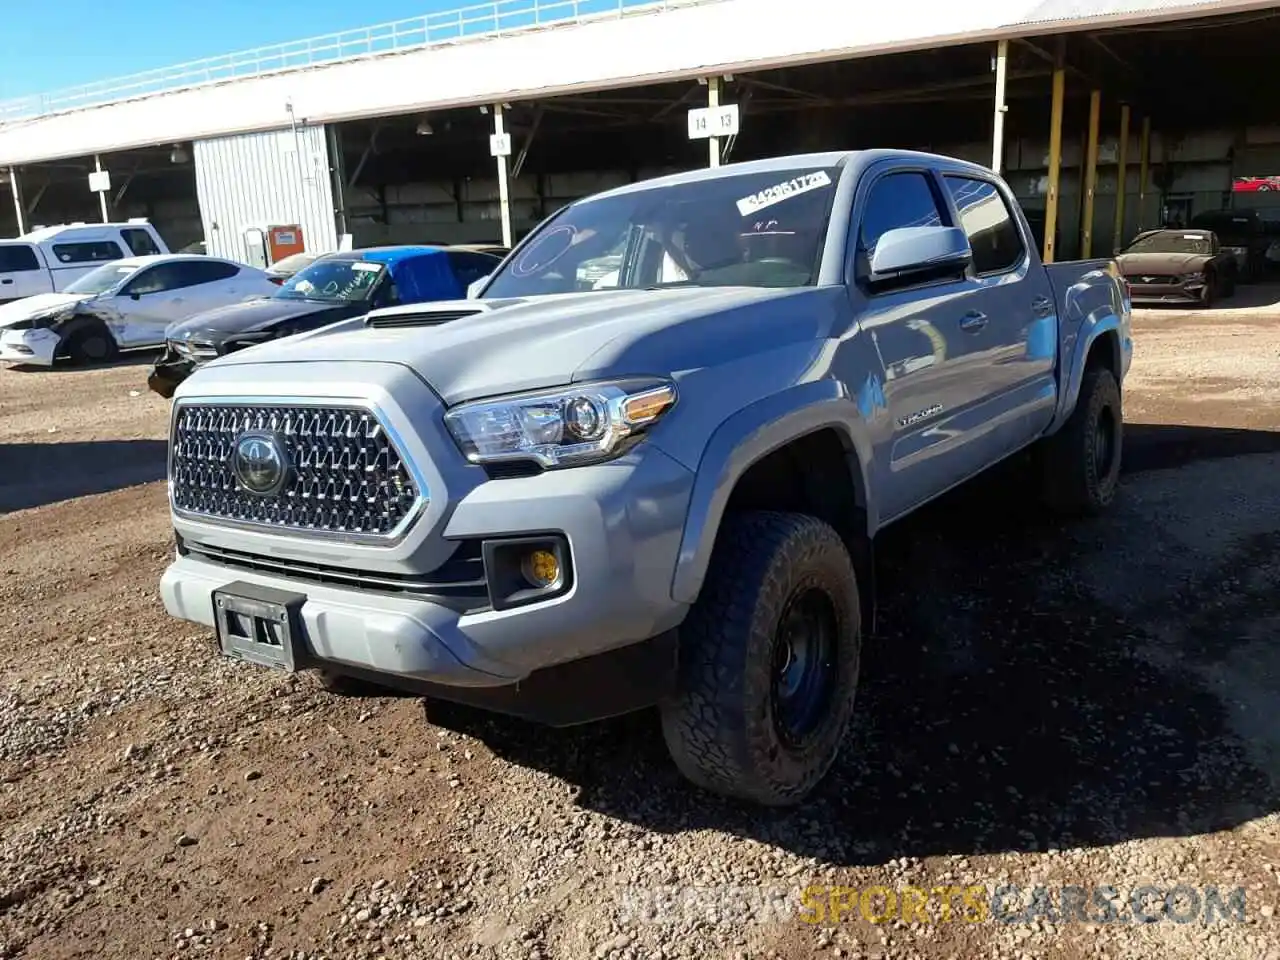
pixel 1082 460
pixel 1209 292
pixel 92 343
pixel 768 661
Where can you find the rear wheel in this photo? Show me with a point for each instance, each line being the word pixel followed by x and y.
pixel 1082 460
pixel 769 661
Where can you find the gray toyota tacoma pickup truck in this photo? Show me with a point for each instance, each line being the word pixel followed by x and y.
pixel 646 465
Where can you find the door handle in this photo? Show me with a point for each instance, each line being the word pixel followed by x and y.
pixel 973 320
pixel 6 281
pixel 1042 306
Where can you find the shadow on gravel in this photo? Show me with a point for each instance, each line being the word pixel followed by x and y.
pixel 1001 708
pixel 35 474
pixel 1152 446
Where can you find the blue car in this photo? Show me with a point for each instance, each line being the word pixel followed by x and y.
pixel 336 286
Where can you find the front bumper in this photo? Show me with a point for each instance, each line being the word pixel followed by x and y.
pixel 623 522
pixel 36 347
pixel 168 373
pixel 1158 293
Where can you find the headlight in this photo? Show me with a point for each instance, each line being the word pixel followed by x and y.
pixel 42 321
pixel 560 428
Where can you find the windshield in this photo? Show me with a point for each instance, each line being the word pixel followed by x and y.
pixel 101 279
pixel 333 281
pixel 754 230
pixel 1172 241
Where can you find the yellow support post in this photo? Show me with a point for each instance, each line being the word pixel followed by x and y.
pixel 1055 161
pixel 1144 165
pixel 1090 176
pixel 1122 178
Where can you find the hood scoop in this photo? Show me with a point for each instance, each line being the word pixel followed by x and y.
pixel 424 314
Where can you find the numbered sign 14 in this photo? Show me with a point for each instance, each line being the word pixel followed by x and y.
pixel 705 122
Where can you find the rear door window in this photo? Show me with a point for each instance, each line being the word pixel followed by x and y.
pixel 195 272
pixel 470 267
pixel 140 242
pixel 993 233
pixel 98 251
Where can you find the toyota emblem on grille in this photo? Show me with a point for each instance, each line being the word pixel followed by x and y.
pixel 260 463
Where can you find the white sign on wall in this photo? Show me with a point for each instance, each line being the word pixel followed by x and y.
pixel 100 181
pixel 500 144
pixel 705 122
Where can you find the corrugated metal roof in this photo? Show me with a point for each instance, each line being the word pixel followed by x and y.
pixel 685 41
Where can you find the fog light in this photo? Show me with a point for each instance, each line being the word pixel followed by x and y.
pixel 541 568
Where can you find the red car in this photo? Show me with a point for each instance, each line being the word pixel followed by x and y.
pixel 1255 184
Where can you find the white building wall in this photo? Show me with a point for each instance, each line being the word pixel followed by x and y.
pixel 264 179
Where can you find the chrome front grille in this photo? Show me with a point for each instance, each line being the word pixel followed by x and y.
pixel 344 475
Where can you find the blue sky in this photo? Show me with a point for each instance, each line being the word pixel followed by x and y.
pixel 40 51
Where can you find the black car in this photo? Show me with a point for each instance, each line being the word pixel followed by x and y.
pixel 1241 233
pixel 335 287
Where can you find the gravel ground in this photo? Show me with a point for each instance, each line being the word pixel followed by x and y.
pixel 1090 704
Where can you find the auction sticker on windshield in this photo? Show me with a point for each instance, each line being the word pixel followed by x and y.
pixel 782 191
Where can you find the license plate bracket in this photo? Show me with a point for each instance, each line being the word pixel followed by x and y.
pixel 260 625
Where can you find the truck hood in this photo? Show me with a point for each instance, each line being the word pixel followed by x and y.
pixel 1135 264
pixel 250 316
pixel 27 307
pixel 547 341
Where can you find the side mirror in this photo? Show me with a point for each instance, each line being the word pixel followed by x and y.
pixel 908 252
pixel 473 288
pixel 135 296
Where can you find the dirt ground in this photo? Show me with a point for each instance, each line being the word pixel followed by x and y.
pixel 1092 704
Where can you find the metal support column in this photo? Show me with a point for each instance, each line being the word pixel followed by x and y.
pixel 338 177
pixel 713 101
pixel 102 194
pixel 1144 171
pixel 16 189
pixel 1090 175
pixel 997 134
pixel 1122 179
pixel 1055 161
pixel 504 190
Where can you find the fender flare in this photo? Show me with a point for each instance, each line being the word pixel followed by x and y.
pixel 744 439
pixel 1074 374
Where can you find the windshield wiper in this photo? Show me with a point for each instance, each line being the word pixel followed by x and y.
pixel 674 283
